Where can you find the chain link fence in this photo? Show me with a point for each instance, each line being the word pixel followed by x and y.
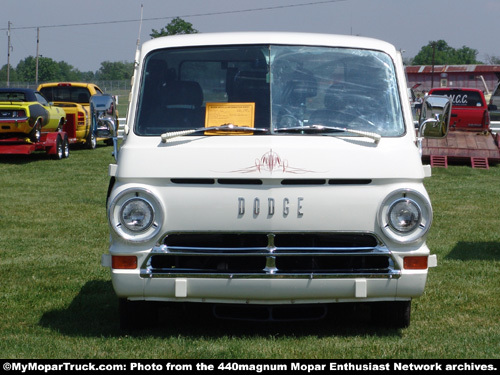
pixel 107 86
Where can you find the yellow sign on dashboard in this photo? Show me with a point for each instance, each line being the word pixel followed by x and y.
pixel 238 114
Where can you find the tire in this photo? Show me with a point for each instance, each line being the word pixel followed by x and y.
pixel 137 314
pixel 65 147
pixel 59 149
pixel 394 314
pixel 36 133
pixel 60 126
pixel 91 141
pixel 126 314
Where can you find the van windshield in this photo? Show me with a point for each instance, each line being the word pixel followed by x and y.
pixel 268 86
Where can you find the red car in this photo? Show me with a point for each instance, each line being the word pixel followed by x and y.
pixel 469 110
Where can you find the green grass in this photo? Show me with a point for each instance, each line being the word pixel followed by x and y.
pixel 56 301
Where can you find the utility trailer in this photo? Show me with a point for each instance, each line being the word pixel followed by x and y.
pixel 54 144
pixel 480 149
pixel 470 139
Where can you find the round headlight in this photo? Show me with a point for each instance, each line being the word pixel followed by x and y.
pixel 405 215
pixel 137 214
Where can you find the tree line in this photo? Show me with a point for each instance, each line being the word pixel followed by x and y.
pixel 51 70
pixel 440 53
pixel 434 53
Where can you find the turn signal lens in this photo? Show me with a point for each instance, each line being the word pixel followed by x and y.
pixel 124 262
pixel 415 263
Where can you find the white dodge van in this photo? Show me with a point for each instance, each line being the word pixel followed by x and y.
pixel 271 170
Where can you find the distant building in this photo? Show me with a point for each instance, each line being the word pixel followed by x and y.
pixel 470 76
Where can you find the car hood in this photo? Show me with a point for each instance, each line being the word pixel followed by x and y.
pixel 250 157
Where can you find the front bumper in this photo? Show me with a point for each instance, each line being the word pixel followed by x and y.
pixel 269 290
pixel 318 268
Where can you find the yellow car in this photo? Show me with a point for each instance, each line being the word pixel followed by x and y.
pixel 25 113
pixel 74 97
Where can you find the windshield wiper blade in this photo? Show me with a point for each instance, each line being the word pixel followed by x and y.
pixel 226 127
pixel 322 128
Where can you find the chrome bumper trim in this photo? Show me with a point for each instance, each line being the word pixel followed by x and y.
pixel 270 262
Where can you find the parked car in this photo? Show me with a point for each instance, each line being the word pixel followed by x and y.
pixel 74 97
pixel 26 113
pixel 469 111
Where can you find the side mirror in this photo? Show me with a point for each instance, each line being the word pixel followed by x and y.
pixel 104 117
pixel 435 117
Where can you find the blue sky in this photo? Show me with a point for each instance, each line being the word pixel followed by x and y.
pixel 85 33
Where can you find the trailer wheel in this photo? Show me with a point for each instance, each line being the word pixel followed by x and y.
pixel 91 141
pixel 59 149
pixel 65 147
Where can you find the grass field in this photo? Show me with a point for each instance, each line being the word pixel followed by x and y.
pixel 56 301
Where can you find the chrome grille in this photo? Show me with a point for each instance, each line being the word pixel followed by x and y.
pixel 265 241
pixel 269 255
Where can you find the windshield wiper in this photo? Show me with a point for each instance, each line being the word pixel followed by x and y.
pixel 226 127
pixel 244 129
pixel 321 129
